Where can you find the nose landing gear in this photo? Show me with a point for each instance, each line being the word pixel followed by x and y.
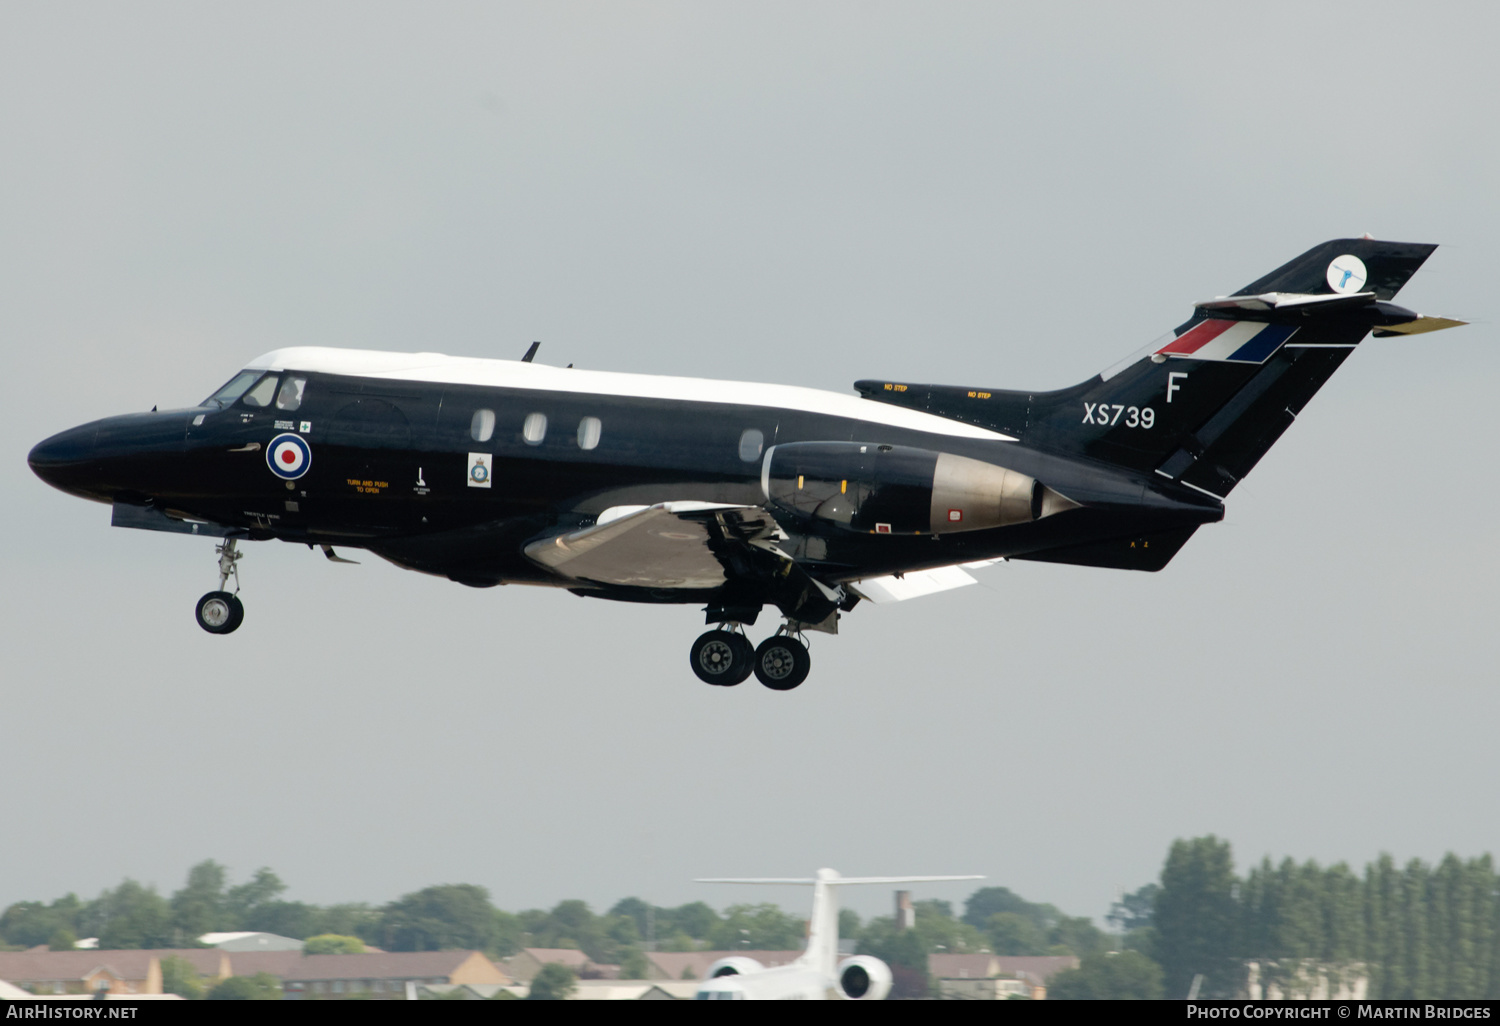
pixel 221 612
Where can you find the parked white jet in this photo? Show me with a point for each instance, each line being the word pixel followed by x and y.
pixel 817 974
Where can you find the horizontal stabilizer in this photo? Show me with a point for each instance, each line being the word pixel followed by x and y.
pixel 1300 301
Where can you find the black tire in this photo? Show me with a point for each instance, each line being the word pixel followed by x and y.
pixel 219 612
pixel 746 659
pixel 721 658
pixel 782 662
pixel 238 617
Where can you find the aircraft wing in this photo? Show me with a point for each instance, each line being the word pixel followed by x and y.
pixel 668 545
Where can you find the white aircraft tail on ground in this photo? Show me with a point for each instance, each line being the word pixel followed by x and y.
pixel 817 974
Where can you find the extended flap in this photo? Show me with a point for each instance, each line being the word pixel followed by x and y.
pixel 669 545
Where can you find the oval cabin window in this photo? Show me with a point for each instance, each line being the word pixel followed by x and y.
pixel 535 428
pixel 751 442
pixel 589 430
pixel 482 426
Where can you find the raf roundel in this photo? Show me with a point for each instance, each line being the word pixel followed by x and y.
pixel 288 456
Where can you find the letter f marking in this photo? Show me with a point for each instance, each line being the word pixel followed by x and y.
pixel 1172 385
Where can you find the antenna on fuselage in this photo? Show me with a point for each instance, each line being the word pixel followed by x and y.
pixel 531 352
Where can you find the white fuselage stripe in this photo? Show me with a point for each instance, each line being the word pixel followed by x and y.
pixel 436 368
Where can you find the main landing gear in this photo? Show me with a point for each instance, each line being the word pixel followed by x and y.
pixel 725 657
pixel 220 612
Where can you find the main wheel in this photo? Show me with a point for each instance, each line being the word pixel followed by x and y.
pixel 745 653
pixel 782 662
pixel 219 612
pixel 721 657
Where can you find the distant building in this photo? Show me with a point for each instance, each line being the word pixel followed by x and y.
pixel 10 992
pixel 466 991
pixel 277 963
pixel 691 965
pixel 584 990
pixel 250 941
pixel 118 972
pixel 997 989
pixel 386 974
pixel 906 912
pixel 1306 980
pixel 633 990
pixel 378 974
pixel 526 963
pixel 987 977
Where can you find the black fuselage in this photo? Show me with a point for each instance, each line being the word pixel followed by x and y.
pixel 390 465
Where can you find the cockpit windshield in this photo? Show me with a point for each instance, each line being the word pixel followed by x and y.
pixel 261 394
pixel 232 391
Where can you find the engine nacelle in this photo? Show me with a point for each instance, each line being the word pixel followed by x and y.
pixel 734 965
pixel 898 489
pixel 864 978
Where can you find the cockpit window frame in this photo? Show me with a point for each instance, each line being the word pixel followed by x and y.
pixel 253 401
pixel 227 395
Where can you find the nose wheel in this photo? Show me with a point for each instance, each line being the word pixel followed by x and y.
pixel 221 612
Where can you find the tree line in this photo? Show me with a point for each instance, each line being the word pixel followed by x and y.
pixel 1410 931
pixel 446 916
pixel 134 915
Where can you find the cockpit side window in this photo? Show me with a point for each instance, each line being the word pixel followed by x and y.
pixel 261 394
pixel 290 396
pixel 232 391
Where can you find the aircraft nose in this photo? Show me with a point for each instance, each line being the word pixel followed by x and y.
pixel 66 459
pixel 137 453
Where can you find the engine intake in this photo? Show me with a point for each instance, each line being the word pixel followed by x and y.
pixel 864 978
pixel 734 965
pixel 897 489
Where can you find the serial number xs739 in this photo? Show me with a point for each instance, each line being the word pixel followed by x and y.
pixel 1109 414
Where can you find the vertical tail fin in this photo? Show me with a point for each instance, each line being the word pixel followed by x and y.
pixel 1205 402
pixel 823 925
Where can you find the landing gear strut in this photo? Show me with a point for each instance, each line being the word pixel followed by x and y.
pixel 220 612
pixel 781 661
pixel 722 657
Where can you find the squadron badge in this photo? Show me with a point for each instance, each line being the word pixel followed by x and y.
pixel 479 469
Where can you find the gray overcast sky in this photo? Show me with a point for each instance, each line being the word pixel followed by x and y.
pixel 983 194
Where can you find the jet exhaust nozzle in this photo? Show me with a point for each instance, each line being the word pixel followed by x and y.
pixel 892 489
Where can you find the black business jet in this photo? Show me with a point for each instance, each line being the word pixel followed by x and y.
pixel 732 495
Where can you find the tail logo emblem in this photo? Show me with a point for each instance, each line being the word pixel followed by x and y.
pixel 1347 274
